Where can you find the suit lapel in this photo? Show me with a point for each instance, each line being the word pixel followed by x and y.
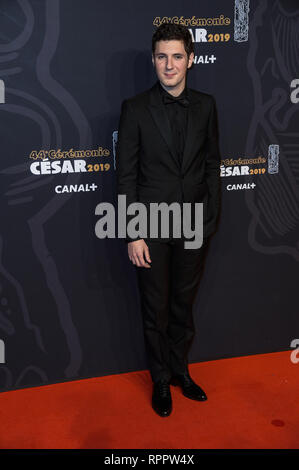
pixel 194 116
pixel 158 112
pixel 160 117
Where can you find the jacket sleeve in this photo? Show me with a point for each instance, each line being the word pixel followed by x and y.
pixel 127 157
pixel 212 170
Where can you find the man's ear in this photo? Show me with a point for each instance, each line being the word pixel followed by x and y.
pixel 190 60
pixel 153 61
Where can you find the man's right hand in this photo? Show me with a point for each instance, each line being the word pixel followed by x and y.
pixel 139 253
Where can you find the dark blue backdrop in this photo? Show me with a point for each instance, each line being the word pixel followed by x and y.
pixel 69 305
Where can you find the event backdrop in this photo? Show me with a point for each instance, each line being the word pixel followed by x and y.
pixel 69 304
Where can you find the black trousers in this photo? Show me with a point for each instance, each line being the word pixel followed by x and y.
pixel 167 293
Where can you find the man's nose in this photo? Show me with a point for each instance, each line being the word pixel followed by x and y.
pixel 169 64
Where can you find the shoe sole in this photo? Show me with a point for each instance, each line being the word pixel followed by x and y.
pixel 162 415
pixel 194 398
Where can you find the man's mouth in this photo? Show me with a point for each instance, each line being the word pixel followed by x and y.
pixel 169 75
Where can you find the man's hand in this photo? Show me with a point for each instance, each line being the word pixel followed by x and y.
pixel 139 253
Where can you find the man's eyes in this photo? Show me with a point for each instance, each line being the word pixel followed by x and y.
pixel 163 57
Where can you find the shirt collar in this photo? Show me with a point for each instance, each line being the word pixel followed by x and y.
pixel 184 93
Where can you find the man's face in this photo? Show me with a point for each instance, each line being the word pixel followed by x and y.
pixel 171 63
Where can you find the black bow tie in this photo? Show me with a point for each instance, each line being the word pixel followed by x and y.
pixel 167 99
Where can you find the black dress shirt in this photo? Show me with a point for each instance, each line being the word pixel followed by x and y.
pixel 177 112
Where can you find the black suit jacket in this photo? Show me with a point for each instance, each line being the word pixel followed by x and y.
pixel 146 160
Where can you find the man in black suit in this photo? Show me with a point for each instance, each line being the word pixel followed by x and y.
pixel 168 151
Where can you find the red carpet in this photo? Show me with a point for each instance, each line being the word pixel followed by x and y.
pixel 252 404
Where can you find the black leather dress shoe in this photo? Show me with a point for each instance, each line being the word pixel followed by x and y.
pixel 161 399
pixel 190 389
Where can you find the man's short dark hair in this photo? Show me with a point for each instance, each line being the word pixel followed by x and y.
pixel 168 31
